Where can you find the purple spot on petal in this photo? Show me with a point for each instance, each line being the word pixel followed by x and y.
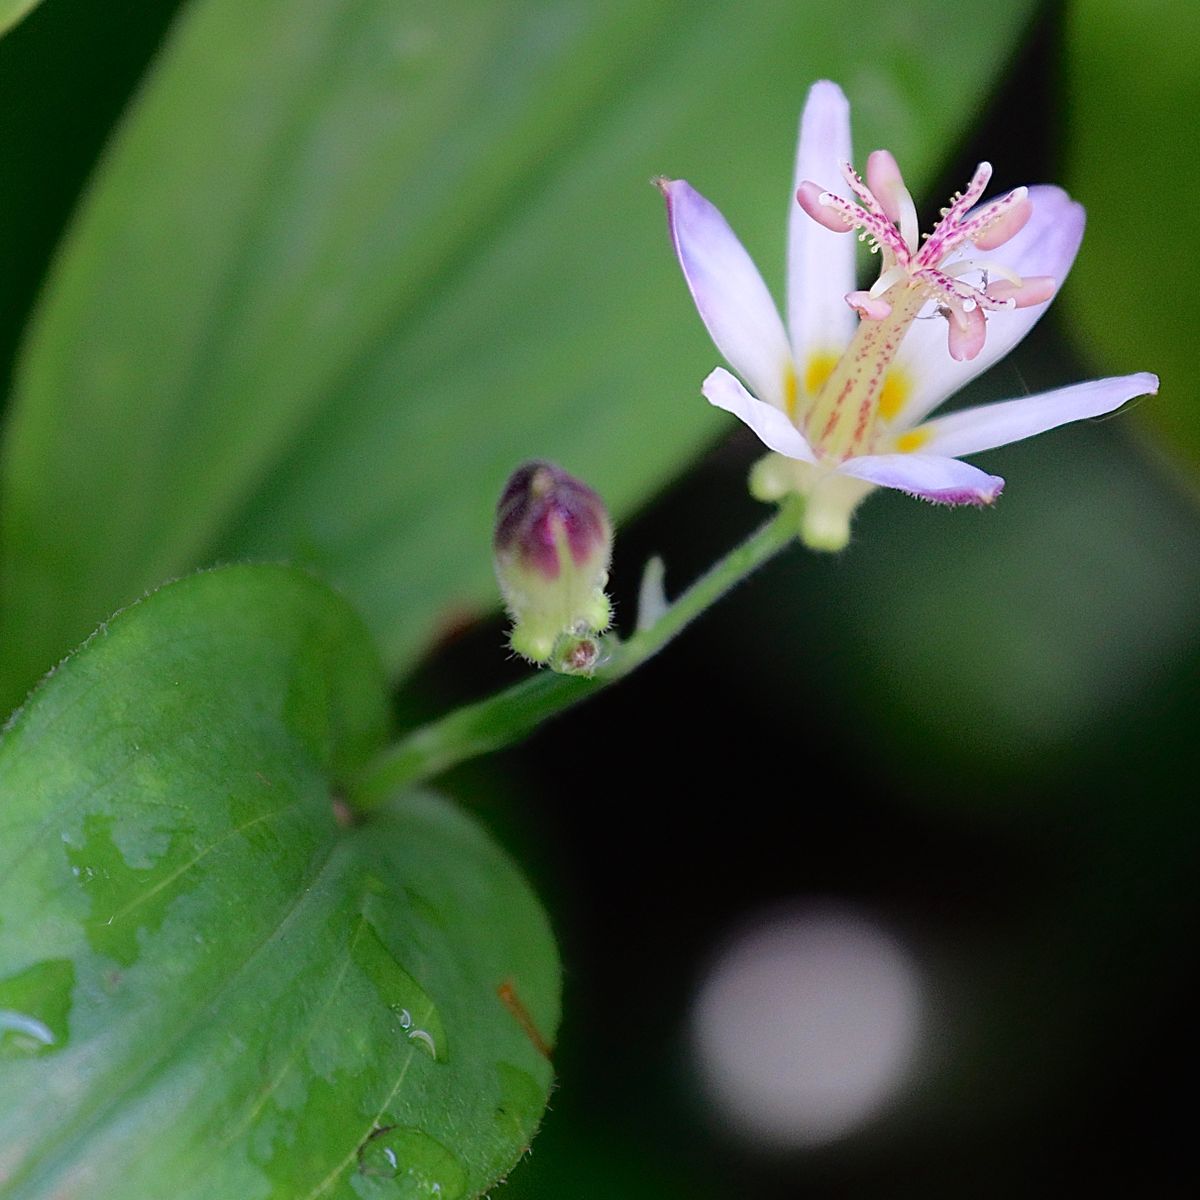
pixel 958 496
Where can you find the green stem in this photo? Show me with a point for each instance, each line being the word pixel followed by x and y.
pixel 511 715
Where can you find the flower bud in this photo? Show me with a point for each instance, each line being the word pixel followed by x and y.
pixel 552 548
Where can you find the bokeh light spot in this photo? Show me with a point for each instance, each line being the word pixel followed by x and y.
pixel 807 1024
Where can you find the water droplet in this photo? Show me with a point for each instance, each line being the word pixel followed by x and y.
pixel 414 1166
pixel 33 1009
pixel 417 1021
pixel 25 1027
pixel 420 1037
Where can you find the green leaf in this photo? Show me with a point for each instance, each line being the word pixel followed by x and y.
pixel 1133 93
pixel 211 988
pixel 65 76
pixel 350 261
pixel 11 11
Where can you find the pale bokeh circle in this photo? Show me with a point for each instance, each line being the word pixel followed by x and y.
pixel 807 1024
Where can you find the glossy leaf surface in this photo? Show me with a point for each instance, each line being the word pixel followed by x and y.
pixel 209 987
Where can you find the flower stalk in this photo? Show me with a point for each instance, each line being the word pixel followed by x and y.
pixel 511 715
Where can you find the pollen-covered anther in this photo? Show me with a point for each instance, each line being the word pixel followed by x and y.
pixel 1036 289
pixel 840 215
pixel 968 332
pixel 868 306
pixel 887 185
pixel 989 227
pixel 1000 221
pixel 952 230
pixel 818 203
pixel 886 182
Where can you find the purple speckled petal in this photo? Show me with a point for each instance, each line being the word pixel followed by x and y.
pixel 929 476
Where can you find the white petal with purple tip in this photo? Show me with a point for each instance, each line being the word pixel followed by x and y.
pixel 729 292
pixel 991 425
pixel 772 427
pixel 1045 246
pixel 820 262
pixel 929 476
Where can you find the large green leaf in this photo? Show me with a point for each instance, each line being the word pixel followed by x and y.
pixel 350 260
pixel 209 987
pixel 1133 93
pixel 11 11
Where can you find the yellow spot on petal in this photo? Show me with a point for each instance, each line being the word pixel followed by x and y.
pixel 894 394
pixel 914 439
pixel 789 391
pixel 820 367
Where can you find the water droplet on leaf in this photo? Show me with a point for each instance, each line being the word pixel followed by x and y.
pixel 417 1019
pixel 409 1165
pixel 33 1009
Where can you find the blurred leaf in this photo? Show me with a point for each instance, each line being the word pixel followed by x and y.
pixel 65 75
pixel 210 989
pixel 350 261
pixel 11 11
pixel 1133 94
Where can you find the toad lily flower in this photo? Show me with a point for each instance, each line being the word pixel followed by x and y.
pixel 842 394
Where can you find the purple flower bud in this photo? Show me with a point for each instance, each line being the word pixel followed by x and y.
pixel 552 547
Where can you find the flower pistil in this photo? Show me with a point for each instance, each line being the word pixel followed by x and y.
pixel 841 420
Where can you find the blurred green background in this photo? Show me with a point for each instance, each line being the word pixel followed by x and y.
pixel 346 264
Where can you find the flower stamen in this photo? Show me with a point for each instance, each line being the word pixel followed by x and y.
pixel 913 274
pixel 885 180
pixel 885 217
